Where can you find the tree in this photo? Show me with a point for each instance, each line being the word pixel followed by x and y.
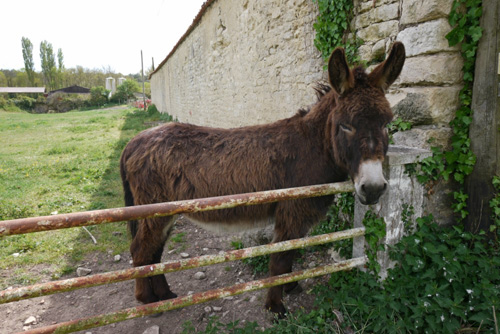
pixel 126 90
pixel 3 80
pixel 98 95
pixel 48 64
pixel 60 68
pixel 29 65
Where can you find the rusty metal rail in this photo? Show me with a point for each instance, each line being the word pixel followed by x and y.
pixel 45 223
pixel 172 304
pixel 37 224
pixel 42 289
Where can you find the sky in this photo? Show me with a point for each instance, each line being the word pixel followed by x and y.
pixel 95 34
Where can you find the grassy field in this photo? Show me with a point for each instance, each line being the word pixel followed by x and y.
pixel 60 163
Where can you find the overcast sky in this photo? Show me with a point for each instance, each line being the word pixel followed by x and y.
pixel 95 33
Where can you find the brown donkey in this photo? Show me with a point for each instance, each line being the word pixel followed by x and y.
pixel 344 134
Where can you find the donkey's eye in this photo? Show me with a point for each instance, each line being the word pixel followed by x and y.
pixel 346 128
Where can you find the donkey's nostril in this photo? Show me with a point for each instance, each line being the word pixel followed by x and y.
pixel 385 186
pixel 363 188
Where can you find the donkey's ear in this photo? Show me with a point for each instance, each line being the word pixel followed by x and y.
pixel 340 75
pixel 387 72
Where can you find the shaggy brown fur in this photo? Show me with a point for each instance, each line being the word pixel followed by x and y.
pixel 324 144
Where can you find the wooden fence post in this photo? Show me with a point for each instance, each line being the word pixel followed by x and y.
pixel 485 140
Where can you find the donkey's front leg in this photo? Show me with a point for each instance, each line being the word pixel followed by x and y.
pixel 281 263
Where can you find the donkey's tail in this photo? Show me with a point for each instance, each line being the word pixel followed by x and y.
pixel 129 197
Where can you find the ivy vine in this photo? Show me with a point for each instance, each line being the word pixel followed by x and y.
pixel 332 27
pixel 459 161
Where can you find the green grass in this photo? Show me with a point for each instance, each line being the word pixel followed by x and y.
pixel 61 163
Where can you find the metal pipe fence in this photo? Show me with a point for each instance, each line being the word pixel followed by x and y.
pixel 36 224
pixel 60 221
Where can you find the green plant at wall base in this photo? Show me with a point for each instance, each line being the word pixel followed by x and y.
pixel 331 26
pixel 338 218
pixel 374 232
pixel 495 206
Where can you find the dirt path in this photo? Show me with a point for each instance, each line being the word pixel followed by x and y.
pixel 92 301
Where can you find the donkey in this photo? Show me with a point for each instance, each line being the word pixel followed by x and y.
pixel 343 135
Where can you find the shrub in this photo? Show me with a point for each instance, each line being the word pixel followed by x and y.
pixel 61 102
pixel 8 105
pixel 98 96
pixel 125 91
pixel 24 102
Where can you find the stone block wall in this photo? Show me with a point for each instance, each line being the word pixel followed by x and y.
pixel 246 62
pixel 249 62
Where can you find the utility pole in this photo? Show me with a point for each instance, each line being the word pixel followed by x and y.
pixel 143 89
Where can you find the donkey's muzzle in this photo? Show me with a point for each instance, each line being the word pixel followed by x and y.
pixel 370 183
pixel 370 193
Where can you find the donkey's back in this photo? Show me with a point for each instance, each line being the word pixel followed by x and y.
pixel 179 161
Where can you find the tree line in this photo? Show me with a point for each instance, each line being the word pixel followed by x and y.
pixel 53 74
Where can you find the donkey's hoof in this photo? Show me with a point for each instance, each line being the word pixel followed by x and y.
pixel 168 295
pixel 146 298
pixel 279 311
pixel 293 289
pixel 156 315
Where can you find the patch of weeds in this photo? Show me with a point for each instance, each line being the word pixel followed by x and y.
pixel 58 150
pixel 9 210
pixel 215 326
pixel 178 237
pixel 79 129
pixel 259 264
pixel 97 205
pixel 338 218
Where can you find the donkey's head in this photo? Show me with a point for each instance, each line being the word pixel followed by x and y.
pixel 359 133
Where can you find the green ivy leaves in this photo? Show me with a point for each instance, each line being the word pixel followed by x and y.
pixel 331 25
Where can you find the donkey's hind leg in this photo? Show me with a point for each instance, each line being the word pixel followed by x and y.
pixel 147 248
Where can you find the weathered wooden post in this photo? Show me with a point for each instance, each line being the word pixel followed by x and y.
pixel 404 191
pixel 484 133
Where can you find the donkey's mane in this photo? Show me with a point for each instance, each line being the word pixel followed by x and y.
pixel 321 89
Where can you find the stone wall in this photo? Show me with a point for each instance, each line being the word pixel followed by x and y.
pixel 249 62
pixel 246 62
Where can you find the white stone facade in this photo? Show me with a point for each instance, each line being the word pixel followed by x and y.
pixel 247 62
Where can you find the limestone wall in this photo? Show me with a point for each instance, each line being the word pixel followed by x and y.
pixel 426 93
pixel 247 62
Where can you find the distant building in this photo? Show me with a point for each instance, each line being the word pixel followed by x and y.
pixel 111 85
pixel 71 90
pixel 22 90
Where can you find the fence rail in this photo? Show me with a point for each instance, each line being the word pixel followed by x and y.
pixel 42 289
pixel 45 223
pixel 198 298
pixel 37 224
